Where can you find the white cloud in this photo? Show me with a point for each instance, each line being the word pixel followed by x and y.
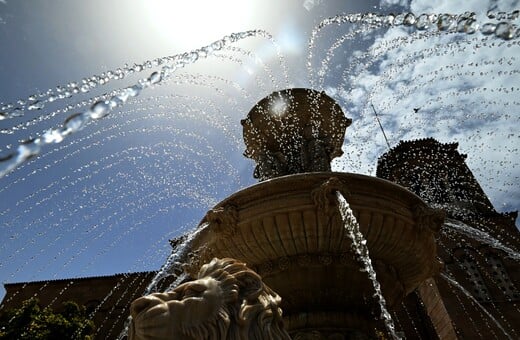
pixel 449 86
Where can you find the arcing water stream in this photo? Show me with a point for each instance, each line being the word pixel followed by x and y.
pixel 129 162
pixel 462 289
pixel 359 246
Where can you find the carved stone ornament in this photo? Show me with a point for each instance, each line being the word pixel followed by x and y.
pixel 283 263
pixel 324 196
pixel 223 220
pixel 429 217
pixel 226 301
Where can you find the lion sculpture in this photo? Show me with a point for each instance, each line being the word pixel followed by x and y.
pixel 226 301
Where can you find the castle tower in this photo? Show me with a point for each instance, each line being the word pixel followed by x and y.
pixel 437 173
pixel 478 245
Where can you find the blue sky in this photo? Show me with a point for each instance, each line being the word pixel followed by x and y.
pixel 108 198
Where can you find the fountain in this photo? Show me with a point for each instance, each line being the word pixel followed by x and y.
pixel 97 174
pixel 293 231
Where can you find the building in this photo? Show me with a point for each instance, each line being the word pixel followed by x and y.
pixel 478 245
pixel 106 298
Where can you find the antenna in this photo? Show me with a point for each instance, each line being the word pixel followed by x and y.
pixel 381 126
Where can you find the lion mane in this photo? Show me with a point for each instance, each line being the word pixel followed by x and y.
pixel 247 310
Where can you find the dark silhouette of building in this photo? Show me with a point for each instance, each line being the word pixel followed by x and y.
pixel 105 298
pixel 478 245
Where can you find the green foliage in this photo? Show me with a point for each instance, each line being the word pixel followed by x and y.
pixel 31 322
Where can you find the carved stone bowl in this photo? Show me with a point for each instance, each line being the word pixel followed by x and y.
pixel 289 230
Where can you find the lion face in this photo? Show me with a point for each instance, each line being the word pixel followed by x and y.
pixel 165 315
pixel 228 301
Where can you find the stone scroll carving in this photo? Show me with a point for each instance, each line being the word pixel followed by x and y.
pixel 324 196
pixel 429 217
pixel 227 301
pixel 223 220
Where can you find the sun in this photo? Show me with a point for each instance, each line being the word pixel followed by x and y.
pixel 189 24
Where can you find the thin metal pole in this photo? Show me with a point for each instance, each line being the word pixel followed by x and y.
pixel 381 126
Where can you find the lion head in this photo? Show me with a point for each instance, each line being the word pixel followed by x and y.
pixel 226 301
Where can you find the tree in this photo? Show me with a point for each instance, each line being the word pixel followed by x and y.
pixel 31 322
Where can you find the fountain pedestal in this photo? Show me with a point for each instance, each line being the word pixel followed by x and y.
pixel 289 231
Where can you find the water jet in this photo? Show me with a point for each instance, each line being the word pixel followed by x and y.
pixel 70 208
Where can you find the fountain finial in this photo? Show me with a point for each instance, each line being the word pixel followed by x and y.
pixel 293 131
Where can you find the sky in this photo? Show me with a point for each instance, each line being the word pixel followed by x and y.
pixel 108 198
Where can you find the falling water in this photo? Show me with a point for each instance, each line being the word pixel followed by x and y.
pixel 102 108
pixel 447 23
pixel 359 245
pixel 462 289
pixel 38 220
pixel 174 263
pixel 481 236
pixel 172 267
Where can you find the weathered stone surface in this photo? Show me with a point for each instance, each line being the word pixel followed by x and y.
pixel 290 231
pixel 294 131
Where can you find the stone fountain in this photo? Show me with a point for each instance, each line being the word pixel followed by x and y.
pixel 290 233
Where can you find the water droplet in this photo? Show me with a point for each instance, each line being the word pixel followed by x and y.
pixel 74 123
pixel 504 30
pixel 52 136
pixel 445 22
pixel 17 112
pixel 114 102
pixel 514 15
pixel 134 91
pixel 501 15
pixel 409 19
pixel 423 22
pixel 29 149
pixel 516 35
pixel 217 45
pixel 193 57
pixel 353 18
pixel 99 110
pixel 155 78
pixel 470 26
pixel 399 19
pixel 37 105
pixel 488 28
pixel 123 96
pixel 389 19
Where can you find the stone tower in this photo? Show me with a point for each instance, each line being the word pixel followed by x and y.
pixel 477 244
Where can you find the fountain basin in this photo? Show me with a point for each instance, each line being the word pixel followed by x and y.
pixel 289 230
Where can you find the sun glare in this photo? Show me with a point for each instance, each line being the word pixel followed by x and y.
pixel 193 23
pixel 278 107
